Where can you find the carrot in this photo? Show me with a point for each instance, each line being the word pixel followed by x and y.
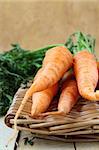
pixel 86 72
pixel 97 88
pixel 68 98
pixel 38 73
pixel 41 100
pixel 85 66
pixel 59 61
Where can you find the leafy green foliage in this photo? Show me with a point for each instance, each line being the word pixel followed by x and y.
pixel 79 41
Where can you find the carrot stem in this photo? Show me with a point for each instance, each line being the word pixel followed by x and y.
pixel 80 41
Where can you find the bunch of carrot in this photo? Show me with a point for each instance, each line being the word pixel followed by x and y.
pixel 81 81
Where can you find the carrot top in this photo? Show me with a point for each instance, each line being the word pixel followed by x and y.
pixel 79 41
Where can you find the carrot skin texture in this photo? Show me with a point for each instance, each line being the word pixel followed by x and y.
pixel 56 62
pixel 68 98
pixel 86 73
pixel 53 70
pixel 41 100
pixel 98 75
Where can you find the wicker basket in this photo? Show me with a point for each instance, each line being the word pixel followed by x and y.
pixel 81 124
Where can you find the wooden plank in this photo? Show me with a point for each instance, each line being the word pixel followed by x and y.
pixel 5 134
pixel 41 144
pixel 87 146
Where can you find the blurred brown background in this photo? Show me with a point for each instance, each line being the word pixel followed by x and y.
pixel 36 23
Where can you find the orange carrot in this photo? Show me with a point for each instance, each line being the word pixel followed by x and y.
pixel 41 100
pixel 59 61
pixel 86 72
pixel 56 62
pixel 97 88
pixel 68 98
pixel 85 65
pixel 38 73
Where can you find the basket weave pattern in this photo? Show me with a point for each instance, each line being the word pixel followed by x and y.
pixel 80 124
